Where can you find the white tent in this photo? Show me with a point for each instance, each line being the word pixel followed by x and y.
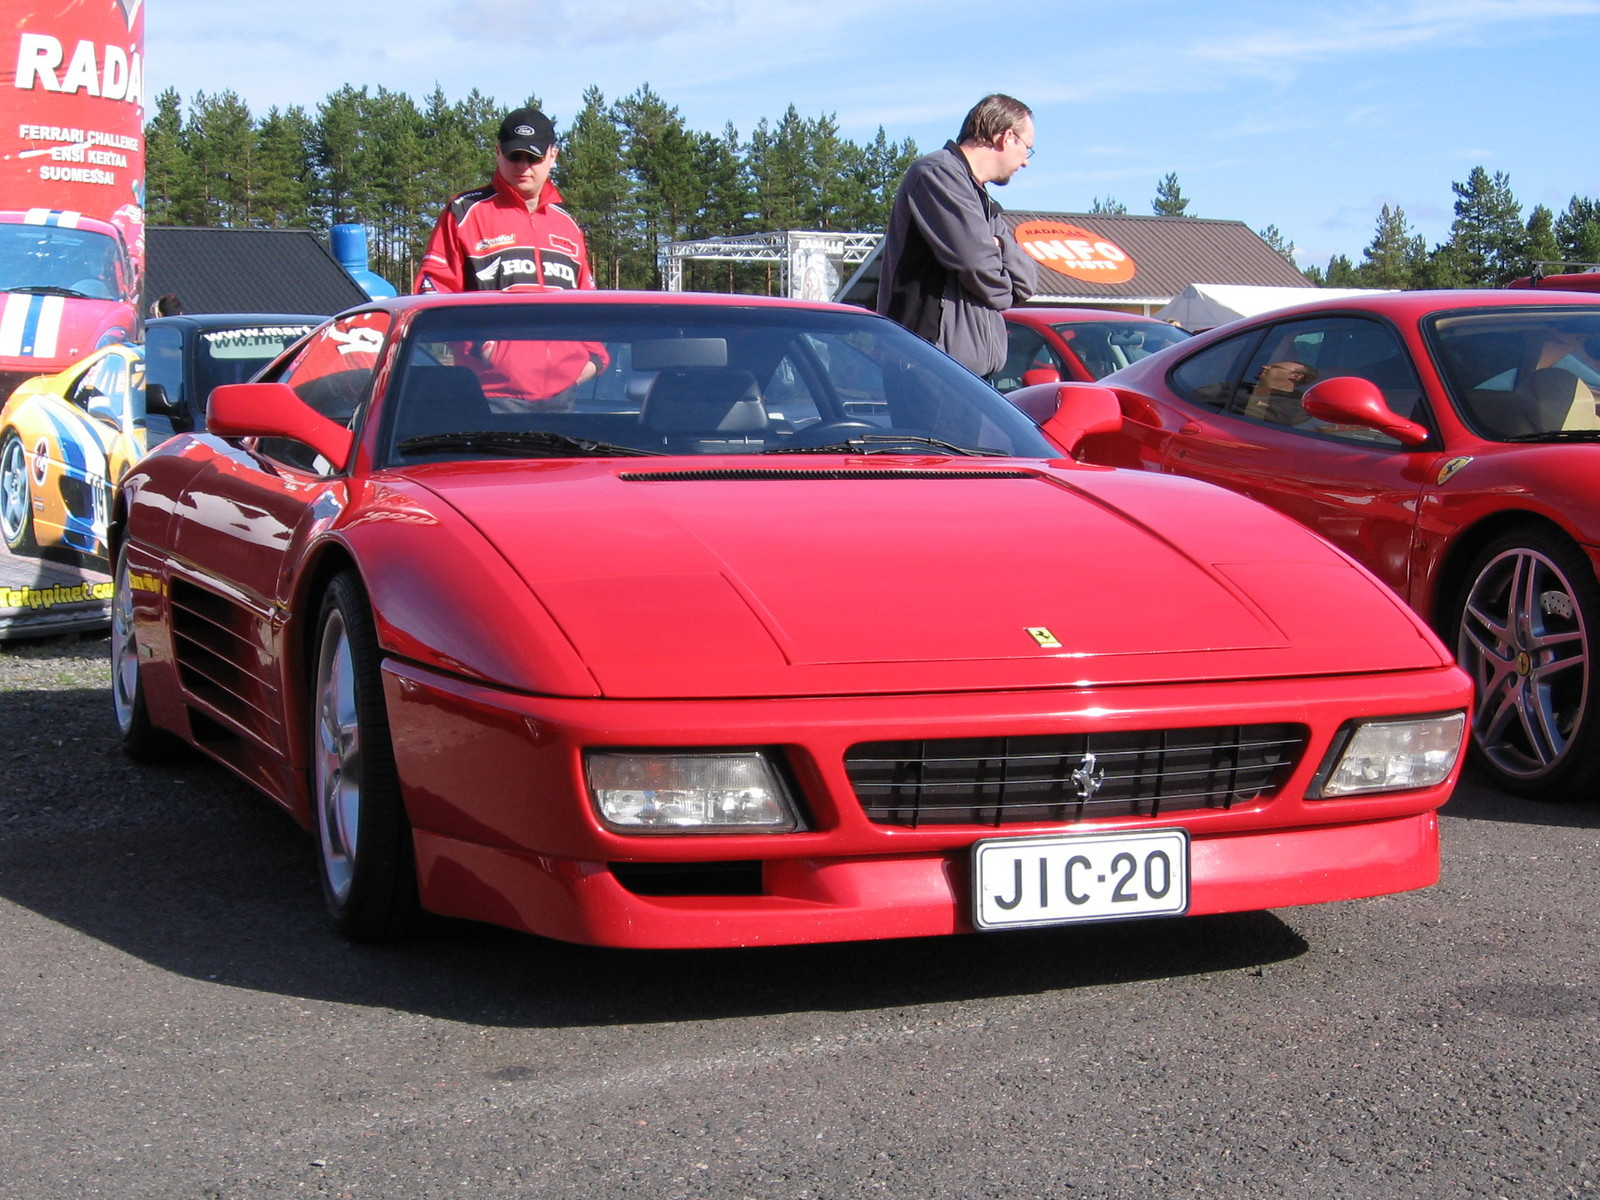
pixel 1205 305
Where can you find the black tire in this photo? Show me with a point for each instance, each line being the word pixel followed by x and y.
pixel 364 854
pixel 141 741
pixel 16 497
pixel 1524 624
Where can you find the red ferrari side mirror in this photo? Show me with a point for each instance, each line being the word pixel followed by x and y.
pixel 1348 400
pixel 1034 376
pixel 1081 409
pixel 239 410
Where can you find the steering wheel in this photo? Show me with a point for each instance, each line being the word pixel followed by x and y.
pixel 825 433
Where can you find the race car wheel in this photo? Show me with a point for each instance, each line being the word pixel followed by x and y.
pixel 367 867
pixel 141 741
pixel 1525 625
pixel 16 502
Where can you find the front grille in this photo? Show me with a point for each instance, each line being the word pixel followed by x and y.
pixel 1068 777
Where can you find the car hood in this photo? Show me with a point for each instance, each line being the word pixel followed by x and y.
pixel 798 580
pixel 46 333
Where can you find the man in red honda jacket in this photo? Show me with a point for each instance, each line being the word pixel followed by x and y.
pixel 513 235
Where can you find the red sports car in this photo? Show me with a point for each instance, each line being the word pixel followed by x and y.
pixel 1446 440
pixel 689 621
pixel 1081 344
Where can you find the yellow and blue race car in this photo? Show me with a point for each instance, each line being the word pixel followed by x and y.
pixel 65 441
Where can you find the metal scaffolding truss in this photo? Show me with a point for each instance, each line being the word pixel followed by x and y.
pixel 797 251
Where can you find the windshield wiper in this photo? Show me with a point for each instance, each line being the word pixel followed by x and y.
pixel 1558 435
pixel 46 289
pixel 882 443
pixel 555 445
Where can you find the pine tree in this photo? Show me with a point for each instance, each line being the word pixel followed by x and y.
pixel 171 185
pixel 1273 237
pixel 1488 233
pixel 1539 243
pixel 1110 206
pixel 1341 273
pixel 1578 231
pixel 287 177
pixel 595 184
pixel 1170 200
pixel 1395 256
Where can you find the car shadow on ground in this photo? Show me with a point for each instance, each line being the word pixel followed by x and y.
pixel 187 869
pixel 1476 800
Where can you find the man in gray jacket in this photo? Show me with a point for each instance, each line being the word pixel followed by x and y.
pixel 950 265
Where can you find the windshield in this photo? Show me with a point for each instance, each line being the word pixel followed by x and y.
pixel 542 380
pixel 60 259
pixel 1522 374
pixel 1106 346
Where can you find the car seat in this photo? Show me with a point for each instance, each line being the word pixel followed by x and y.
pixel 441 400
pixel 1562 401
pixel 711 411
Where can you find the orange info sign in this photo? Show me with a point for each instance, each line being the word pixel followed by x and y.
pixel 71 267
pixel 1076 252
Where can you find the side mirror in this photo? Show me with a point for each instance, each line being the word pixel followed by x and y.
pixel 156 400
pixel 1079 411
pixel 240 410
pixel 1349 400
pixel 1037 375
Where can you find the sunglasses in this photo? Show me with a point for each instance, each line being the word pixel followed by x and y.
pixel 524 158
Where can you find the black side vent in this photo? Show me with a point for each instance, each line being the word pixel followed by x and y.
pixel 754 474
pixel 223 664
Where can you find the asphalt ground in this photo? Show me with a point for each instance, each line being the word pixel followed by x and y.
pixel 177 1023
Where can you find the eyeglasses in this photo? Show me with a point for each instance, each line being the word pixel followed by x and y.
pixel 524 158
pixel 1020 142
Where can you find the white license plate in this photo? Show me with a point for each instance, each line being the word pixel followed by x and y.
pixel 1066 878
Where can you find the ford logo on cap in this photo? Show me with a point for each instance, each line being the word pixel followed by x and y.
pixel 524 131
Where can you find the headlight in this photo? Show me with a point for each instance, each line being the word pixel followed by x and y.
pixel 706 792
pixel 1392 756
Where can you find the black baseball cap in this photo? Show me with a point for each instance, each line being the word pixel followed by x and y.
pixel 529 130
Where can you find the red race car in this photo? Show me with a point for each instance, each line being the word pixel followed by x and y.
pixel 67 289
pixel 669 621
pixel 1082 344
pixel 1447 441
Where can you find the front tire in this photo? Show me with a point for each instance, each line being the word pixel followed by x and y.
pixel 1524 627
pixel 141 741
pixel 16 499
pixel 364 852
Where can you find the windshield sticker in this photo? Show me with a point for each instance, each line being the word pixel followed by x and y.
pixel 1075 251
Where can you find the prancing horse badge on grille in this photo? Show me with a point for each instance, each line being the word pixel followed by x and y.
pixel 1088 778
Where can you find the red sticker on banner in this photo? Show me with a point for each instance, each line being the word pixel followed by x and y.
pixel 1075 251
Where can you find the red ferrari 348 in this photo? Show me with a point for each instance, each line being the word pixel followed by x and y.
pixel 1446 440
pixel 701 621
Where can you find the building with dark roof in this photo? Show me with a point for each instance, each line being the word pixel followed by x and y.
pixel 1133 264
pixel 246 270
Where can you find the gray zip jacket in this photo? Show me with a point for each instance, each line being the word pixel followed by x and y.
pixel 945 275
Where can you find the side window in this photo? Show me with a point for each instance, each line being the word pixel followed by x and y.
pixel 1026 350
pixel 107 380
pixel 163 361
pixel 1297 354
pixel 331 374
pixel 1208 378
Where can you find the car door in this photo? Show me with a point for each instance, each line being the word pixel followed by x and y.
pixel 1356 487
pixel 244 519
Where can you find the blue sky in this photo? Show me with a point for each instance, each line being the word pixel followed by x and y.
pixel 1308 116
